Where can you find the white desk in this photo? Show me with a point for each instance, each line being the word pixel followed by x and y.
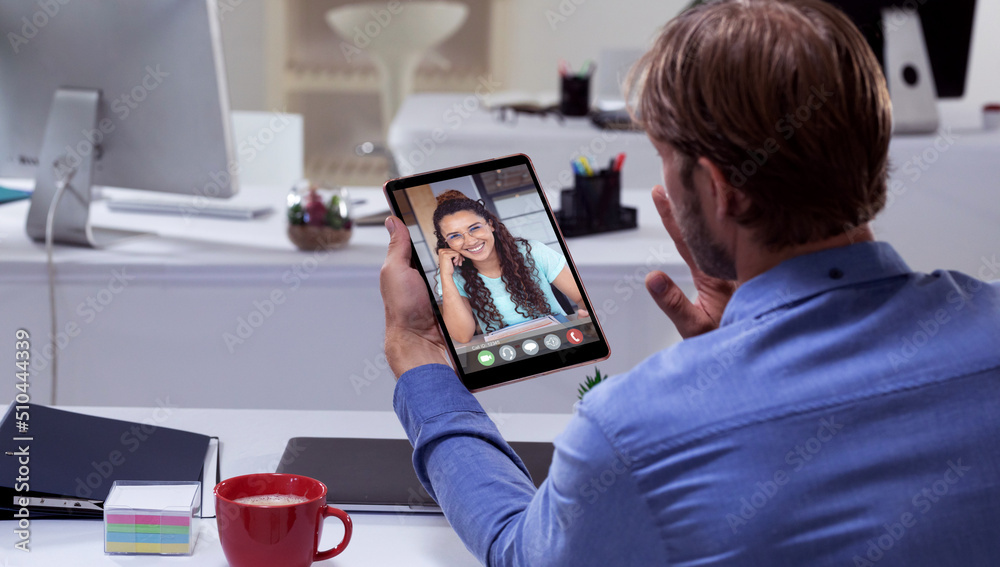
pixel 944 211
pixel 253 441
pixel 163 336
pixel 434 131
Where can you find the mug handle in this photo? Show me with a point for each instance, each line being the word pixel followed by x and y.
pixel 326 512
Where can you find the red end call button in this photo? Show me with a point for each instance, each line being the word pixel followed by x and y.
pixel 574 336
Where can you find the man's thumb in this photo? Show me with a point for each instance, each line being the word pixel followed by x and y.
pixel 399 241
pixel 672 301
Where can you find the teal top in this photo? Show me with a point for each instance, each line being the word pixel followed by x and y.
pixel 548 264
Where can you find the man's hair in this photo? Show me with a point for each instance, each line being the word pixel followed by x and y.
pixel 786 98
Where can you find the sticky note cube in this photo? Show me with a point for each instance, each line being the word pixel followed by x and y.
pixel 149 518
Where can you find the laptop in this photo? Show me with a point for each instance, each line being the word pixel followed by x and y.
pixel 376 475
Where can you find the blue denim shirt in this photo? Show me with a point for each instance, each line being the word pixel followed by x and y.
pixel 846 412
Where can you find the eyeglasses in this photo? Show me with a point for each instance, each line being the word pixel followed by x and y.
pixel 477 231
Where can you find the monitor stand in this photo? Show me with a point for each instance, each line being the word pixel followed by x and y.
pixel 908 72
pixel 67 160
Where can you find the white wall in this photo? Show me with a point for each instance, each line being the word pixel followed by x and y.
pixel 544 31
pixel 536 43
pixel 243 43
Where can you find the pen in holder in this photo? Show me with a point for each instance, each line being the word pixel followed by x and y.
pixel 594 205
pixel 575 95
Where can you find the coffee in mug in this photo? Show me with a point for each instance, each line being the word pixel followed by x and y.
pixel 275 519
pixel 271 500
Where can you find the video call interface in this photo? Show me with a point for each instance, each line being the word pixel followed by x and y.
pixel 510 285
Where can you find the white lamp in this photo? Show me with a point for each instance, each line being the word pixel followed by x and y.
pixel 398 41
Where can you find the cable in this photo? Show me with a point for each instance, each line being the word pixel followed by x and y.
pixel 63 174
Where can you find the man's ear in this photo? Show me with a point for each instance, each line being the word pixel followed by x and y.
pixel 729 201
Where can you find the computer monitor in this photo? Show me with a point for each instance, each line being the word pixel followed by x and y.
pixel 923 46
pixel 947 31
pixel 117 93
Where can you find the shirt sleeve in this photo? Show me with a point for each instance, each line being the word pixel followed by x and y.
pixel 588 499
pixel 549 262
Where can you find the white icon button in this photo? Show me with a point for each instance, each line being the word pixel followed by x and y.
pixel 507 352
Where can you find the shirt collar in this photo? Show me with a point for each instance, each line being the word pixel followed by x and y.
pixel 805 276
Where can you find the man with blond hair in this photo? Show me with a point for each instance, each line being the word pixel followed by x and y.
pixel 849 413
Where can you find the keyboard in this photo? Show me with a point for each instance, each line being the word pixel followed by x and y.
pixel 190 209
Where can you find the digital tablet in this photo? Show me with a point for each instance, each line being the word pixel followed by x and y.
pixel 503 285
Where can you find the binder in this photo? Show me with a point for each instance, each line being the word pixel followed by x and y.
pixel 64 463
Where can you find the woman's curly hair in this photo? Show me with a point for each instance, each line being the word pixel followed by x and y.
pixel 518 272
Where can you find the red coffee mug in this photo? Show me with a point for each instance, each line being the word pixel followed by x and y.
pixel 264 536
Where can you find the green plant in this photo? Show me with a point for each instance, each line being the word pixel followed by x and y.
pixel 296 215
pixel 591 382
pixel 334 215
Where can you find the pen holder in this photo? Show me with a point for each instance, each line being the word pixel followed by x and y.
pixel 575 95
pixel 597 198
pixel 594 205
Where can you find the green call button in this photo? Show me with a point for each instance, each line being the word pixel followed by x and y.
pixel 486 358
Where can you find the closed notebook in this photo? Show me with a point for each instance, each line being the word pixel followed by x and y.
pixel 66 462
pixel 376 475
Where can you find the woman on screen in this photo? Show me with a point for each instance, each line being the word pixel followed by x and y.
pixel 490 276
